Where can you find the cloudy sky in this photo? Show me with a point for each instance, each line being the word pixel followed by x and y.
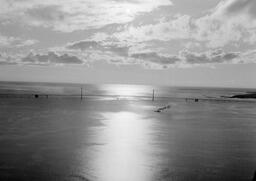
pixel 163 42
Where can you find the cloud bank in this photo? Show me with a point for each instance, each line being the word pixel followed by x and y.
pixel 50 59
pixel 127 32
pixel 73 15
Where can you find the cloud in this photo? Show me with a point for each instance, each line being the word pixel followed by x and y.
pixel 117 54
pixel 15 42
pixel 6 60
pixel 249 56
pixel 209 57
pixel 84 45
pixel 239 6
pixel 74 15
pixel 153 57
pixel 87 45
pixel 45 15
pixel 189 58
pixel 229 22
pixel 136 54
pixel 176 28
pixel 152 60
pixel 51 58
pixel 122 36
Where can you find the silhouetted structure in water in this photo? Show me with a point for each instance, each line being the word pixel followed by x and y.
pixel 81 94
pixel 153 95
pixel 163 108
pixel 38 95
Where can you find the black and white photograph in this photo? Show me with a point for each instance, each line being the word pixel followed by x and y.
pixel 127 90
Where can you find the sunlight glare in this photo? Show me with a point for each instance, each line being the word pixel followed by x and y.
pixel 127 90
pixel 125 136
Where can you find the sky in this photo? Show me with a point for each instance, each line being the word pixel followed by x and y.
pixel 159 42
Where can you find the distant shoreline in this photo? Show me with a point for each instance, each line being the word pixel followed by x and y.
pixel 245 96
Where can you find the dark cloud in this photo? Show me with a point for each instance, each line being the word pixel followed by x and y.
pixel 216 56
pixel 153 57
pixel 187 57
pixel 46 13
pixel 122 51
pixel 150 59
pixel 237 6
pixel 194 58
pixel 86 45
pixel 51 58
pixel 231 56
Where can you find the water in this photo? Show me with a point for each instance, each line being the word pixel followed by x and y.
pixel 116 90
pixel 124 139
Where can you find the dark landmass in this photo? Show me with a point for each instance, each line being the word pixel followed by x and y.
pixel 245 96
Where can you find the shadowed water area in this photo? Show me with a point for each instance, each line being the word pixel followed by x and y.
pixel 125 140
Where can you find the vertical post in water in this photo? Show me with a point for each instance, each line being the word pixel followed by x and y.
pixel 153 95
pixel 81 93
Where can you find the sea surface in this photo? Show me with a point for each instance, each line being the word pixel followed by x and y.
pixel 114 134
pixel 135 92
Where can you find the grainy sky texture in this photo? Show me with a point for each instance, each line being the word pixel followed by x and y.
pixel 163 42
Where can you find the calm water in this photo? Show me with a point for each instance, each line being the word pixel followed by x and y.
pixel 124 139
pixel 116 90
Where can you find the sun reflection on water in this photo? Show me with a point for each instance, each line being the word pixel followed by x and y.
pixel 124 155
pixel 127 90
